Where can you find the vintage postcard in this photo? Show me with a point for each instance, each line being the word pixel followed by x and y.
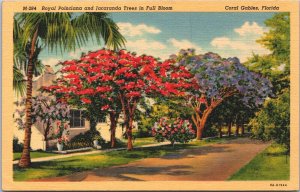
pixel 150 95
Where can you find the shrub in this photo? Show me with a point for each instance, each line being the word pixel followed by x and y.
pixel 173 130
pixel 17 146
pixel 84 140
pixel 273 121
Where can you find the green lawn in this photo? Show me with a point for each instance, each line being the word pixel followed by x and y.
pixel 34 154
pixel 271 164
pixel 144 141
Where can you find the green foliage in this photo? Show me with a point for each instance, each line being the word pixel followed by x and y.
pixel 278 38
pixel 271 164
pixel 84 140
pixel 275 66
pixel 17 146
pixel 232 110
pixel 273 121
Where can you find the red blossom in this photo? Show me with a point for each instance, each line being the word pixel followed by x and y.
pixel 103 89
pixel 105 107
pixel 133 94
pixel 86 100
pixel 72 76
pixel 88 91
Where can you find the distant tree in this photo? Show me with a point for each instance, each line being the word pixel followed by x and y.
pixel 232 110
pixel 273 121
pixel 275 66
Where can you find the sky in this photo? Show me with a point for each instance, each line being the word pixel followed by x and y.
pixel 163 34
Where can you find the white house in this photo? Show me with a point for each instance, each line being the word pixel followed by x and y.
pixel 78 124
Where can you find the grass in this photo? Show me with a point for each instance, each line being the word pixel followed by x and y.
pixel 34 154
pixel 144 141
pixel 271 164
pixel 65 166
pixel 70 165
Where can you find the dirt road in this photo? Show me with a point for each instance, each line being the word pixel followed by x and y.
pixel 215 162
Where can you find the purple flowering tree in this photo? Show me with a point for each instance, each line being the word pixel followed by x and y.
pixel 219 78
pixel 45 111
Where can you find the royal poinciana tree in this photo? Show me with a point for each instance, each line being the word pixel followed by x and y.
pixel 121 79
pixel 45 111
pixel 218 79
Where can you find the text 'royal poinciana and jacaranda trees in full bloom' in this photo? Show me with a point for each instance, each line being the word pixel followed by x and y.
pixel 218 79
pixel 107 80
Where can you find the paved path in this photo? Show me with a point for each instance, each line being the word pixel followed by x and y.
pixel 61 156
pixel 216 162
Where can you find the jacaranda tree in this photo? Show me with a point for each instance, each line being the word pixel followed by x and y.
pixel 121 77
pixel 218 79
pixel 45 111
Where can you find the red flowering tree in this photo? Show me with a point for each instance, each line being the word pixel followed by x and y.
pixel 119 80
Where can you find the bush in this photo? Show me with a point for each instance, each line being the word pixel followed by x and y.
pixel 84 140
pixel 141 133
pixel 17 146
pixel 273 121
pixel 173 130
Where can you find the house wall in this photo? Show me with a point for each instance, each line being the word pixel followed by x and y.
pixel 77 130
pixel 37 137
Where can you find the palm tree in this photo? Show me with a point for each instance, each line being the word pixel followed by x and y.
pixel 58 31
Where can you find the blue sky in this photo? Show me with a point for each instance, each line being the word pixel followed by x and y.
pixel 162 34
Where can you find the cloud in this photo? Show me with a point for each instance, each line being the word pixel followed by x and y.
pixel 131 30
pixel 242 44
pixel 248 28
pixel 183 44
pixel 52 61
pixel 146 46
pixel 225 42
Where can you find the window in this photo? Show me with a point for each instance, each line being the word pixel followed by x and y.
pixel 76 119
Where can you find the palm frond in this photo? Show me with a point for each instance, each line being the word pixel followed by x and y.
pixel 19 82
pixel 99 27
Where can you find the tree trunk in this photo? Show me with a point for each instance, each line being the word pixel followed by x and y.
pixel 93 124
pixel 220 130
pixel 25 160
pixel 229 128
pixel 129 134
pixel 201 125
pixel 243 128
pixel 200 129
pixel 113 125
pixel 237 129
pixel 46 133
pixel 46 141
